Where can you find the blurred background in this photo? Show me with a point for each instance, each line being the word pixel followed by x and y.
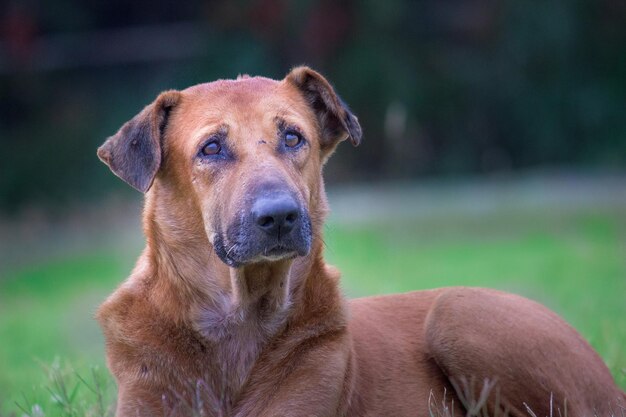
pixel 495 137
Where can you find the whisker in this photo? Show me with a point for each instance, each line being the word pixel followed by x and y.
pixel 230 250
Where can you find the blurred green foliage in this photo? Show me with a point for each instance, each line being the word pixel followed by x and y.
pixel 449 88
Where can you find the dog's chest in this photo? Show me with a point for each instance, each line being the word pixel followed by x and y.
pixel 203 364
pixel 198 373
pixel 232 342
pixel 235 358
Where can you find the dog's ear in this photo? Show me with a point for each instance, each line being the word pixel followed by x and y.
pixel 134 152
pixel 335 118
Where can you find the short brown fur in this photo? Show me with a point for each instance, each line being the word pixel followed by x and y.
pixel 275 337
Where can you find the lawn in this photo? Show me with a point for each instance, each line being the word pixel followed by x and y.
pixel 572 260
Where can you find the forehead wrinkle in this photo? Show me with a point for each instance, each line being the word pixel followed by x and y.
pixel 227 96
pixel 218 105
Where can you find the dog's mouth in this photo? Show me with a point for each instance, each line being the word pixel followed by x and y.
pixel 278 252
pixel 239 254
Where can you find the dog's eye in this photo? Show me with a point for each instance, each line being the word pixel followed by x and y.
pixel 293 139
pixel 211 148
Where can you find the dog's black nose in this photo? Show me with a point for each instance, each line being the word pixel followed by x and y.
pixel 275 215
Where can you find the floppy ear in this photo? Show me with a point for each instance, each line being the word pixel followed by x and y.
pixel 134 152
pixel 336 121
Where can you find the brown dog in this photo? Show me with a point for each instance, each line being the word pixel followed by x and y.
pixel 231 310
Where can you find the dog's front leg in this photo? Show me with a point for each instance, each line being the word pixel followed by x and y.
pixel 315 381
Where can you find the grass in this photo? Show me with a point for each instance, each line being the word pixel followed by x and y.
pixel 574 262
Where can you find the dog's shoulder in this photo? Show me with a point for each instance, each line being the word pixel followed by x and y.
pixel 133 328
pixel 126 310
pixel 120 313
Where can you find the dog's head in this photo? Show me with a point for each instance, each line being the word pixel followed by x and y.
pixel 239 159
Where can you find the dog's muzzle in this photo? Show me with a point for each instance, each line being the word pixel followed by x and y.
pixel 275 227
